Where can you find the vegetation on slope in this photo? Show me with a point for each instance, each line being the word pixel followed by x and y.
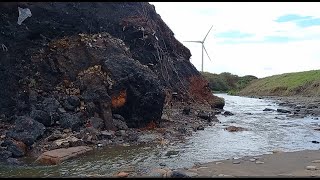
pixel 227 82
pixel 305 83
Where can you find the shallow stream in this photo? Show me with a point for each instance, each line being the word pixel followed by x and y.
pixel 267 131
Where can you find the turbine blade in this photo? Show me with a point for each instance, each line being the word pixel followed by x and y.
pixel 207 34
pixel 206 52
pixel 193 41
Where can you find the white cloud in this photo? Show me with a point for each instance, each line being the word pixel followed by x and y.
pixel 192 20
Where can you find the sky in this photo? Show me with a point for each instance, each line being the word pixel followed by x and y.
pixel 248 38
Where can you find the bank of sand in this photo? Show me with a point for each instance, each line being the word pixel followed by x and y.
pixel 304 163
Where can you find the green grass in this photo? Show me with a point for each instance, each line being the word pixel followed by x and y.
pixel 232 92
pixel 227 82
pixel 299 83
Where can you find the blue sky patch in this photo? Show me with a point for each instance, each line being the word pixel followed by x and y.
pixel 207 12
pixel 291 17
pixel 309 22
pixel 231 41
pixel 301 21
pixel 277 39
pixel 267 39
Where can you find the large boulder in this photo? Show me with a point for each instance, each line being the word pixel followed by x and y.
pixel 26 130
pixel 57 156
pixel 106 76
pixel 141 91
pixel 218 102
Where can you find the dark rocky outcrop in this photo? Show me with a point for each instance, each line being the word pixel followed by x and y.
pixel 140 54
pixel 70 62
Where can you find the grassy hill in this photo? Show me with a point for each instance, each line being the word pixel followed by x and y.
pixel 227 82
pixel 305 83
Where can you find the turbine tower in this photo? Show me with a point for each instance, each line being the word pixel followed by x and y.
pixel 203 48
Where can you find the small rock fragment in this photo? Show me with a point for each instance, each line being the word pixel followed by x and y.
pixel 228 113
pixel 179 174
pixel 224 175
pixel 162 164
pixel 122 174
pixel 311 168
pixel 235 162
pixel 276 151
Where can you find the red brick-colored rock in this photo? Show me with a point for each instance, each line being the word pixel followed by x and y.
pixel 122 175
pixel 58 155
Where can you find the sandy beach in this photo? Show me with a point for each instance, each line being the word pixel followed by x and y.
pixel 279 164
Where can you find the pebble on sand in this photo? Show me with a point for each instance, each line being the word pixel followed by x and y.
pixel 311 168
pixel 286 175
pixel 122 174
pixel 276 151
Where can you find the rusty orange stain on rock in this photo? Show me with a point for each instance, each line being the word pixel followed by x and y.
pixel 119 101
pixel 150 126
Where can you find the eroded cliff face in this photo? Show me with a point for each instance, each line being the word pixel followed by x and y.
pixel 92 60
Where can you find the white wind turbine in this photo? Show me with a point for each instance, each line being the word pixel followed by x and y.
pixel 203 48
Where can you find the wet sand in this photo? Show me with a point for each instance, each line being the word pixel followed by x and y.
pixel 280 164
